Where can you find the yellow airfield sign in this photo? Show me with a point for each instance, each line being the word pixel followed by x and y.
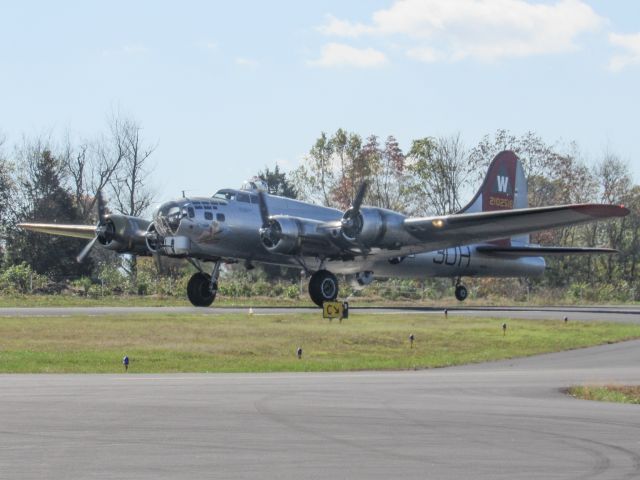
pixel 332 310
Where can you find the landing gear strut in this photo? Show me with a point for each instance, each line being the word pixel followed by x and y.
pixel 461 291
pixel 323 287
pixel 202 287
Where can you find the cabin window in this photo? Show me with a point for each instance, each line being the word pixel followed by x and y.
pixel 208 216
pixel 191 212
pixel 242 197
pixel 220 217
pixel 254 199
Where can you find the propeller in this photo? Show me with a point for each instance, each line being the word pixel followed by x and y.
pixel 351 222
pixel 85 251
pixel 270 231
pixel 101 227
pixel 264 211
pixel 359 198
pixel 154 244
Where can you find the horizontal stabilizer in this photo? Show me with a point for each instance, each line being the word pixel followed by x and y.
pixel 77 231
pixel 530 251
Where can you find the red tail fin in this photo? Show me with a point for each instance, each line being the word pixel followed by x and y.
pixel 504 188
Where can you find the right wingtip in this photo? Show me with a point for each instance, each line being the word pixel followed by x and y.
pixel 603 210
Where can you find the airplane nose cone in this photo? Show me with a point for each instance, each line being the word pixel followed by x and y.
pixel 168 217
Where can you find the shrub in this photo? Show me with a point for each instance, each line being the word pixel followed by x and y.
pixel 292 291
pixel 21 279
pixel 83 284
pixel 261 288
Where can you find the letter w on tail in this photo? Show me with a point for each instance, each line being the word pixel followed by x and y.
pixel 503 183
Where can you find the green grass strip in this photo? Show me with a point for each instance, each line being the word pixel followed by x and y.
pixel 607 393
pixel 267 343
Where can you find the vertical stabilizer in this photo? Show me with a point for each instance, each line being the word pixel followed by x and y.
pixel 504 188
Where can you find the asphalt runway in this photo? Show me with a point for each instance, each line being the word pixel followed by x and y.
pixel 502 420
pixel 592 313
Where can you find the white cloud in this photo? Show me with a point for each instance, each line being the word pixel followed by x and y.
pixel 247 62
pixel 482 29
pixel 631 44
pixel 344 28
pixel 425 54
pixel 341 55
pixel 134 49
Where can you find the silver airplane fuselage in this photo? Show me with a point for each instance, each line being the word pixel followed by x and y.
pixel 216 228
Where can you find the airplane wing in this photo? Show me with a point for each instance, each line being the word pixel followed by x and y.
pixel 120 233
pixel 465 228
pixel 77 231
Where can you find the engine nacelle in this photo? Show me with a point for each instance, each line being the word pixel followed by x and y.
pixel 360 280
pixel 124 234
pixel 282 235
pixel 367 226
pixel 374 227
pixel 285 234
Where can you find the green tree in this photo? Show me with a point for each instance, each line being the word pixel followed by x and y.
pixel 6 194
pixel 131 193
pixel 42 197
pixel 337 165
pixel 278 183
pixel 389 178
pixel 440 172
pixel 326 176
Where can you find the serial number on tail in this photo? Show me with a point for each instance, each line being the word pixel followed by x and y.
pixel 501 202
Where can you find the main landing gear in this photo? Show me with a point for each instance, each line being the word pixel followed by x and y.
pixel 461 291
pixel 202 287
pixel 323 287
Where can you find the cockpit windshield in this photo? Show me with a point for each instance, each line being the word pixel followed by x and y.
pixel 225 195
pixel 237 196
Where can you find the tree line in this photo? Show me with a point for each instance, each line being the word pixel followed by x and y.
pixel 438 174
pixel 46 180
pixel 43 179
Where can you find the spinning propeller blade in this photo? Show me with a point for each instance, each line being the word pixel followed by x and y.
pixel 351 222
pixel 102 206
pixel 87 248
pixel 359 198
pixel 102 211
pixel 264 211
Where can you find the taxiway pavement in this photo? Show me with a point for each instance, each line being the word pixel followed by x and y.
pixel 501 420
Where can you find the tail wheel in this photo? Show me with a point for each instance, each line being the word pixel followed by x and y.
pixel 323 287
pixel 199 290
pixel 461 292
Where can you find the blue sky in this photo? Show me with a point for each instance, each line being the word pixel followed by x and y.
pixel 227 88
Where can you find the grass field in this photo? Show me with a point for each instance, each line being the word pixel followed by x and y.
pixel 178 301
pixel 303 301
pixel 607 393
pixel 261 343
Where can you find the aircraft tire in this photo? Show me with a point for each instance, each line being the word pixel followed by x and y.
pixel 199 290
pixel 461 293
pixel 323 287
